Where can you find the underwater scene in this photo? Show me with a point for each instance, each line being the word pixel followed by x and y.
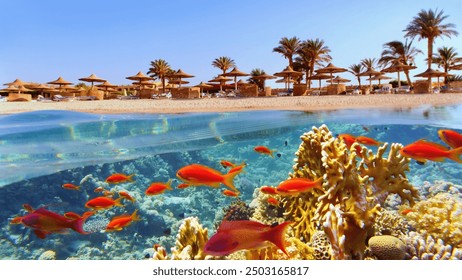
pixel 283 185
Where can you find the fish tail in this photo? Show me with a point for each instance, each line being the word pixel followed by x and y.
pixel 229 180
pixel 130 178
pixel 118 202
pixel 169 184
pixel 455 154
pixel 277 234
pixel 135 216
pixel 78 224
pixel 318 183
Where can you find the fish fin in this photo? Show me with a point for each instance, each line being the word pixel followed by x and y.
pixel 130 178
pixel 442 137
pixel 276 235
pixel 28 208
pixel 433 144
pixel 229 178
pixel 169 184
pixel 135 216
pixel 455 154
pixel 118 202
pixel 77 225
pixel 40 233
pixel 319 182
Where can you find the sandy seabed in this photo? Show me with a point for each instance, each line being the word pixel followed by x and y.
pixel 302 103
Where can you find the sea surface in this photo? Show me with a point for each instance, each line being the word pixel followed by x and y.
pixel 40 151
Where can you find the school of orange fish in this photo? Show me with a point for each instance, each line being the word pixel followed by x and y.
pixel 231 236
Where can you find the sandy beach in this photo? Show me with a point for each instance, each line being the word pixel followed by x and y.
pixel 303 103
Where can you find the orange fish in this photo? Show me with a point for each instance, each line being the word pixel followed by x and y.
pixel 45 222
pixel 298 185
pixel 16 220
pixel 120 222
pixel 108 193
pixel 182 186
pixel 237 168
pixel 367 141
pixel 348 139
pixel 268 190
pixel 227 164
pixel 422 151
pixel 69 186
pixel 119 178
pixel 234 236
pixel 407 211
pixel 126 196
pixel 230 193
pixel 451 137
pixel 264 150
pixel 99 189
pixel 72 215
pixel 103 202
pixel 158 188
pixel 273 201
pixel 197 175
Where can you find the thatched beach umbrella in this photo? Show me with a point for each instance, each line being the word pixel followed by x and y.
pixel 339 80
pixel 288 73
pixel 320 76
pixel 202 85
pixel 430 73
pixel 60 82
pixel 139 77
pixel 370 72
pixel 236 73
pixel 179 75
pixel 379 78
pixel 398 67
pixel 92 79
pixel 16 83
pixel 331 68
pixel 220 79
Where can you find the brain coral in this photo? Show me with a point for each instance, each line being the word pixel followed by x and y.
pixel 440 216
pixel 387 247
pixel 355 185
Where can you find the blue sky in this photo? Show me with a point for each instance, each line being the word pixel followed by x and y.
pixel 41 40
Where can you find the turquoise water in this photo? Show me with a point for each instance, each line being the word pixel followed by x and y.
pixel 40 151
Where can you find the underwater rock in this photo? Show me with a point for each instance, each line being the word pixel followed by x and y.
pixel 387 247
pixel 48 255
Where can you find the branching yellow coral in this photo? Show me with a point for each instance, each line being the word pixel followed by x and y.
pixel 190 241
pixel 440 216
pixel 355 185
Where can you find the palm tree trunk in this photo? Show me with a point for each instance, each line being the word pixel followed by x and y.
pixel 429 58
pixel 406 72
pixel 163 84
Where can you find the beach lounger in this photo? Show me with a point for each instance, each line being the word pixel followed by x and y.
pixel 41 98
pixel 128 97
pixel 59 97
pixel 86 98
pixel 3 98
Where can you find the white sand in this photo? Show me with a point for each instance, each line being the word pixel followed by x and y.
pixel 305 103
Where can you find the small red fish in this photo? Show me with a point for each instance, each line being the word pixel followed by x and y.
pixel 299 185
pixel 159 188
pixel 234 236
pixel 119 178
pixel 120 222
pixel 367 141
pixel 197 175
pixel 16 220
pixel 99 189
pixel 227 164
pixel 451 137
pixel 230 193
pixel 348 139
pixel 264 150
pixel 182 186
pixel 268 190
pixel 103 202
pixel 69 186
pixel 422 151
pixel 45 222
pixel 273 201
pixel 237 168
pixel 126 196
pixel 407 211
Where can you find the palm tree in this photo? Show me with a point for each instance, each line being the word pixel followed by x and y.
pixel 259 82
pixel 223 63
pixel 446 58
pixel 369 63
pixel 397 51
pixel 288 47
pixel 429 25
pixel 160 69
pixel 312 53
pixel 356 69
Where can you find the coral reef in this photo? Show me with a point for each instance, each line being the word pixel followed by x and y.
pixel 356 184
pixel 387 247
pixel 424 247
pixel 321 245
pixel 190 241
pixel 439 216
pixel 390 223
pixel 48 255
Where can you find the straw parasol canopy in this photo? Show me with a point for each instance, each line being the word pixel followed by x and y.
pixel 16 83
pixel 320 76
pixel 92 78
pixel 107 86
pixel 379 78
pixel 331 68
pixel 288 73
pixel 456 67
pixel 398 67
pixel 430 73
pixel 140 76
pixel 179 75
pixel 203 85
pixel 339 80
pixel 10 88
pixel 236 73
pixel 220 79
pixel 370 72
pixel 60 82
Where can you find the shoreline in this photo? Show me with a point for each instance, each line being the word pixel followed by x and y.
pixel 298 103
